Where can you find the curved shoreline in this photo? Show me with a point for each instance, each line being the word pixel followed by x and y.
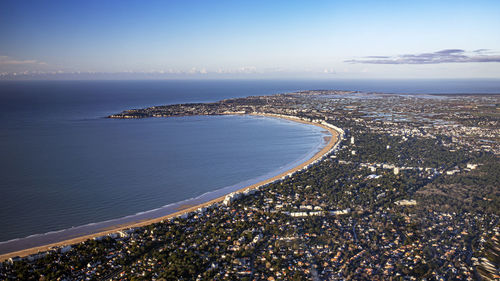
pixel 336 135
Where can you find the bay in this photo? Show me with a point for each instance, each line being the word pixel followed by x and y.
pixel 64 165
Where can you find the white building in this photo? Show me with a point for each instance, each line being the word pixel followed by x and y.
pixel 405 202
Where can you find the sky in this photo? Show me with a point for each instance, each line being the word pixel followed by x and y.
pixel 249 39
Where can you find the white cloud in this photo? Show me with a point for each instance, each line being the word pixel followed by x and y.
pixel 195 70
pixel 5 60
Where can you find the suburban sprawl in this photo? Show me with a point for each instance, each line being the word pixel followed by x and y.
pixel 410 192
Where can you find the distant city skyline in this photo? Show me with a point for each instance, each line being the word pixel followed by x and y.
pixel 251 39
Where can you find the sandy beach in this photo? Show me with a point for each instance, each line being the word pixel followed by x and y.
pixel 190 208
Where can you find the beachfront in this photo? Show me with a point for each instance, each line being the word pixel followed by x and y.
pixel 335 133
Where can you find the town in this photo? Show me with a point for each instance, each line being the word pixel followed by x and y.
pixel 411 192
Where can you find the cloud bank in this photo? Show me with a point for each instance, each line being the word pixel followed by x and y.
pixel 5 60
pixel 443 56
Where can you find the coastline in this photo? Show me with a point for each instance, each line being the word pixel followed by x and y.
pixel 332 142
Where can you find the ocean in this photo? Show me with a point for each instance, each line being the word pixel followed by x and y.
pixel 66 170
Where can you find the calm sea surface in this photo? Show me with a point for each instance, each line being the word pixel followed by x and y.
pixel 64 165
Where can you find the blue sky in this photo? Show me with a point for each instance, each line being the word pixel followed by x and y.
pixel 254 39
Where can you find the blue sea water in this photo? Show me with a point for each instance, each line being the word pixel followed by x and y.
pixel 64 165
